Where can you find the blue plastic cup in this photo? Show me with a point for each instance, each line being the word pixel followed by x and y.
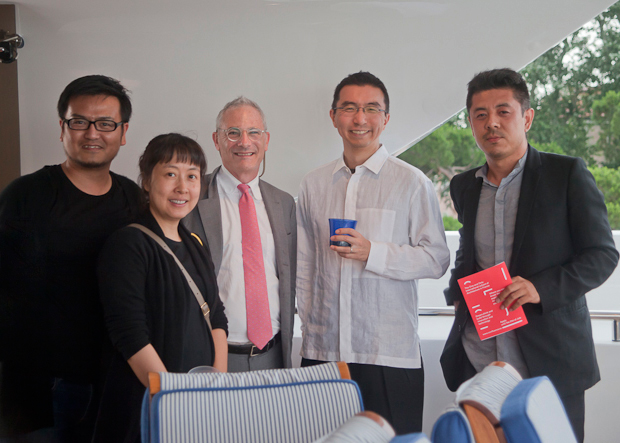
pixel 337 223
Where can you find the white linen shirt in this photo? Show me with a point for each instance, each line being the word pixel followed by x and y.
pixel 230 278
pixel 367 312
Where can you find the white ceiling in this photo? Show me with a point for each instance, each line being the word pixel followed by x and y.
pixel 184 60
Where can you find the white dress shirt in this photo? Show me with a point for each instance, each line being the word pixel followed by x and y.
pixel 367 312
pixel 230 278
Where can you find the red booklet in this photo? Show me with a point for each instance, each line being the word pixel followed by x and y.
pixel 480 290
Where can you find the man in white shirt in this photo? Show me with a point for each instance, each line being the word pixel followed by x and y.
pixel 242 139
pixel 359 303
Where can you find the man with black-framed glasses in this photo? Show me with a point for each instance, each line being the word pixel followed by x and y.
pixel 358 303
pixel 53 223
pixel 240 214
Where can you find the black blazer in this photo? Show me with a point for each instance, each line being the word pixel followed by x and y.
pixel 564 246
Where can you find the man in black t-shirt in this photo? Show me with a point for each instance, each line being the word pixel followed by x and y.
pixel 53 223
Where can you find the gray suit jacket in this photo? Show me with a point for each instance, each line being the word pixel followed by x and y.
pixel 206 221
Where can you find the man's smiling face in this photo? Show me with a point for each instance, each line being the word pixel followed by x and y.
pixel 91 148
pixel 243 157
pixel 360 130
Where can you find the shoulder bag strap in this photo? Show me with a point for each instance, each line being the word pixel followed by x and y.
pixel 201 301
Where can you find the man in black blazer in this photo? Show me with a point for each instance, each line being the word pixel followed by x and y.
pixel 544 216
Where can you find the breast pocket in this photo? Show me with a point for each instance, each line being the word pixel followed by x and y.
pixel 376 224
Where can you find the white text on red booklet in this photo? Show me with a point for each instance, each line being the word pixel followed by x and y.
pixel 480 290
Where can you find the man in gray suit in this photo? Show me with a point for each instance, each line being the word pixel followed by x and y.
pixel 242 139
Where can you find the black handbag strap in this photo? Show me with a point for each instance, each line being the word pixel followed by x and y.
pixel 204 307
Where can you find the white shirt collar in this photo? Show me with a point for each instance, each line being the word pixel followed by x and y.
pixel 373 164
pixel 228 184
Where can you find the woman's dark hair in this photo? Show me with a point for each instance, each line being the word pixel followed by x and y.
pixel 165 147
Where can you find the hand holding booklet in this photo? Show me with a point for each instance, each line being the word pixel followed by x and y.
pixel 480 291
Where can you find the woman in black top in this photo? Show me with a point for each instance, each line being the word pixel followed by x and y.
pixel 153 318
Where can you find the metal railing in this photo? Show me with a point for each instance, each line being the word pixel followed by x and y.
pixel 448 311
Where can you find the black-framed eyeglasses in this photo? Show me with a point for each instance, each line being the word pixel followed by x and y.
pixel 234 134
pixel 81 124
pixel 350 109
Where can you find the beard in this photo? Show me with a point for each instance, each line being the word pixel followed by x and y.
pixel 83 161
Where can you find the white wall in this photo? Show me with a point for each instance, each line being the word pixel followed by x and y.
pixel 185 59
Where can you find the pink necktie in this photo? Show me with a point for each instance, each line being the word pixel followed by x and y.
pixel 256 301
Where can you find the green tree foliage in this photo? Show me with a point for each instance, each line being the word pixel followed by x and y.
pixel 451 223
pixel 606 115
pixel 552 147
pixel 575 92
pixel 608 181
pixel 565 84
pixel 567 80
pixel 445 152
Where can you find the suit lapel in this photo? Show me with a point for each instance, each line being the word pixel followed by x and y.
pixel 527 196
pixel 211 216
pixel 470 212
pixel 273 206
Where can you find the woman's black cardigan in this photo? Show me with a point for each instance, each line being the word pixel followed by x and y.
pixel 146 300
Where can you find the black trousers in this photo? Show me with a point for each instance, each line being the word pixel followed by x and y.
pixel 397 394
pixel 576 410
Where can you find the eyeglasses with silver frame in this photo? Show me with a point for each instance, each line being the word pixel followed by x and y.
pixel 234 134
pixel 350 109
pixel 81 124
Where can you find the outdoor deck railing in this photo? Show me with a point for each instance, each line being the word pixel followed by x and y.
pixel 594 315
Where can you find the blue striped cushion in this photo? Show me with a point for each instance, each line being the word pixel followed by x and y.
pixel 360 430
pixel 533 412
pixel 297 412
pixel 170 381
pixel 452 426
pixel 418 437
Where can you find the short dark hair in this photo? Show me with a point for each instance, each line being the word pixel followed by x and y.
pixel 95 85
pixel 362 78
pixel 504 78
pixel 164 148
